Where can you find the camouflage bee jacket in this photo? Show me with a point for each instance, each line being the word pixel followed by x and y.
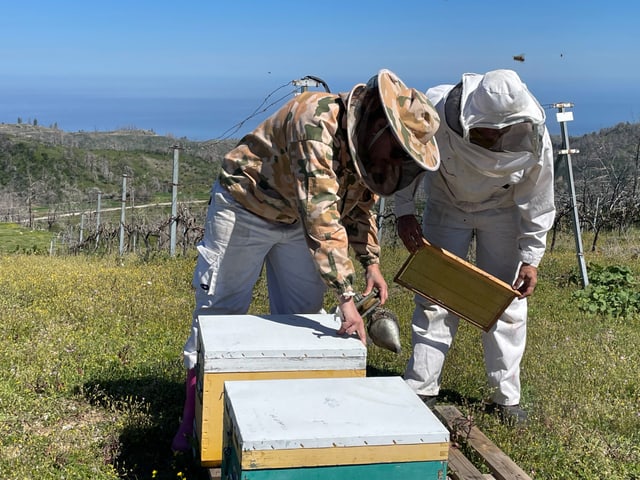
pixel 296 167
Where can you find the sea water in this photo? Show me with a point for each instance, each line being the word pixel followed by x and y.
pixel 205 118
pixel 193 118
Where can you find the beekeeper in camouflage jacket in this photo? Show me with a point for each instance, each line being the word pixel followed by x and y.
pixel 297 192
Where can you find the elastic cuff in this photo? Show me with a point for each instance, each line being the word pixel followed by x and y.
pixel 369 261
pixel 406 209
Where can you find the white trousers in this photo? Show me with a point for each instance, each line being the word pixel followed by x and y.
pixel 433 328
pixel 235 247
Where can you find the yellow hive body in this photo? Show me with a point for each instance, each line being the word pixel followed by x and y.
pixel 250 347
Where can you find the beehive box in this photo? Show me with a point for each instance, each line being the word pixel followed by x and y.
pixel 250 347
pixel 457 285
pixel 369 428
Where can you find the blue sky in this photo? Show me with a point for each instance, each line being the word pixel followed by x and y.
pixel 582 51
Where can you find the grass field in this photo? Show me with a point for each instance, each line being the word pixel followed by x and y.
pixel 91 384
pixel 17 239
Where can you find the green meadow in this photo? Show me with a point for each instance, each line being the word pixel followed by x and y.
pixel 91 379
pixel 17 239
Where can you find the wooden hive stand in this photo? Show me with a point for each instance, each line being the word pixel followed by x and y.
pixel 460 467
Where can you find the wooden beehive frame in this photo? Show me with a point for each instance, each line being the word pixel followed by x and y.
pixel 456 285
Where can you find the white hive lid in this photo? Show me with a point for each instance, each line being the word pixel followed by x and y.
pixel 329 412
pixel 276 342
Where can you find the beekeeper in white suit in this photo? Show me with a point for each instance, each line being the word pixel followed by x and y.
pixel 495 184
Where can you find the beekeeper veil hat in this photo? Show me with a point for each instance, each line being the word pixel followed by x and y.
pixel 497 100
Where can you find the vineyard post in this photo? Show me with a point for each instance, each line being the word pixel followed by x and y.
pixel 98 218
pixel 380 218
pixel 174 199
pixel 565 152
pixel 122 211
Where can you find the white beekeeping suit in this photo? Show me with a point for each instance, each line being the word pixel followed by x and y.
pixel 494 184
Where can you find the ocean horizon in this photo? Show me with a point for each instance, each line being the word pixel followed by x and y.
pixel 201 119
pixel 196 119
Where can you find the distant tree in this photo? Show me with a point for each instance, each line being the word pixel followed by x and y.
pixel 606 176
pixel 19 120
pixel 35 122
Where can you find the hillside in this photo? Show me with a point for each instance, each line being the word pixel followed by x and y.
pixel 47 169
pixel 51 170
pixel 606 176
pixel 123 140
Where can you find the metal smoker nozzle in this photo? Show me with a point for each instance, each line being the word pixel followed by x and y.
pixel 366 305
pixel 382 324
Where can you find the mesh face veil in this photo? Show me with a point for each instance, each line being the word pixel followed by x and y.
pixel 498 113
pixel 520 137
pixel 398 172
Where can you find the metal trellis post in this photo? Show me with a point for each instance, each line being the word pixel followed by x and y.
pixel 565 152
pixel 81 228
pixel 98 218
pixel 380 219
pixel 122 211
pixel 174 199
